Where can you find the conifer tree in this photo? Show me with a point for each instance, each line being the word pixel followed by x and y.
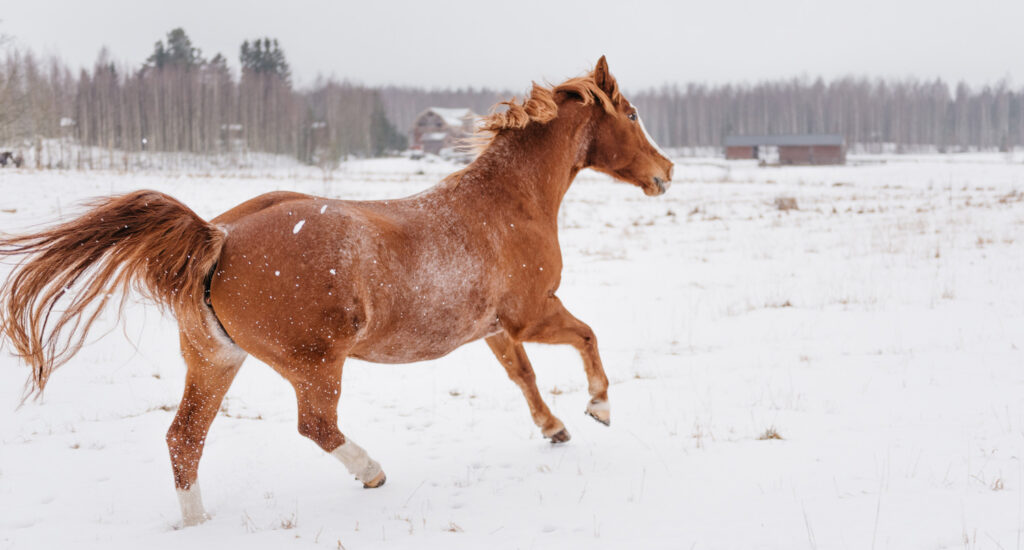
pixel 177 53
pixel 264 56
pixel 383 135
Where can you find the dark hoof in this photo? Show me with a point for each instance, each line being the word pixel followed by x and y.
pixel 607 421
pixel 561 436
pixel 376 482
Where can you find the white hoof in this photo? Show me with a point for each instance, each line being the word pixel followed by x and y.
pixel 600 411
pixel 376 482
pixel 195 520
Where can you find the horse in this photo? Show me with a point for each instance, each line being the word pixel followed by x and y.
pixel 303 282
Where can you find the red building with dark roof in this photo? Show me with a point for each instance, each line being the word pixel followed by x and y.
pixel 792 148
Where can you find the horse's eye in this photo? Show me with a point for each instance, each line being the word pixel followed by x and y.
pixel 632 116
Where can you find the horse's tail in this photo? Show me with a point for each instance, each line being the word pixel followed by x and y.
pixel 143 240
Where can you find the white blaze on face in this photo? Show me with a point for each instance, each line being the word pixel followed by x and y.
pixel 648 136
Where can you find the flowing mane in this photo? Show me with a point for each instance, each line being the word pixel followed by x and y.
pixel 541 107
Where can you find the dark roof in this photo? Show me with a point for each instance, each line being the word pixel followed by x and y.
pixel 784 140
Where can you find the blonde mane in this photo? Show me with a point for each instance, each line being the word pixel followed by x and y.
pixel 540 107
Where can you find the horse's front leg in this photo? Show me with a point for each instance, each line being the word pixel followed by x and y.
pixel 558 326
pixel 512 356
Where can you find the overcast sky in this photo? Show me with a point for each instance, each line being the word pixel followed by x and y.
pixel 509 43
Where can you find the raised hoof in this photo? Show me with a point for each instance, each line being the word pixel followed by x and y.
pixel 376 482
pixel 603 417
pixel 561 436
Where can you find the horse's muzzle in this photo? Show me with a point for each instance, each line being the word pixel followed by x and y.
pixel 663 185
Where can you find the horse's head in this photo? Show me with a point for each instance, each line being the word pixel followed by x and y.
pixel 614 141
pixel 620 146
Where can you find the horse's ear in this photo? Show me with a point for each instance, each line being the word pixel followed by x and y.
pixel 604 78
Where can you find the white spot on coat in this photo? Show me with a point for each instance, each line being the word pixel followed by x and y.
pixel 298 226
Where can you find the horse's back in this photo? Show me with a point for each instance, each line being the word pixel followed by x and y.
pixel 258 204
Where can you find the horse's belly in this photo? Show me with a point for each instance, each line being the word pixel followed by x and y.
pixel 405 340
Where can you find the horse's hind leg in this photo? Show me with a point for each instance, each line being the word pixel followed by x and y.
pixel 317 392
pixel 558 326
pixel 210 373
pixel 513 357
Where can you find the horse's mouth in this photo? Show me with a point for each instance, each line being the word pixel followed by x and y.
pixel 659 188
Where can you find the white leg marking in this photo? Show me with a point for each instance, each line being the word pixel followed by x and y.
pixel 357 461
pixel 191 501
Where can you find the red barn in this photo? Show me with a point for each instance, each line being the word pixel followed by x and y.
pixel 792 148
pixel 439 128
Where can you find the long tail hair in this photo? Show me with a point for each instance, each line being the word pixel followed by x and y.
pixel 145 240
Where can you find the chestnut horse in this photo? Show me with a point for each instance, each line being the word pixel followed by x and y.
pixel 303 282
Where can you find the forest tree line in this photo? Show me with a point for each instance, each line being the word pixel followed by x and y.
pixel 178 100
pixel 907 113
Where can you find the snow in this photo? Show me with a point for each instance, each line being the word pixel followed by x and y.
pixel 878 330
pixel 298 227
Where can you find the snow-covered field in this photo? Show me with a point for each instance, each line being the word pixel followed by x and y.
pixel 878 330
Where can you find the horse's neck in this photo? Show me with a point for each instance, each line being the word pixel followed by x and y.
pixel 533 166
